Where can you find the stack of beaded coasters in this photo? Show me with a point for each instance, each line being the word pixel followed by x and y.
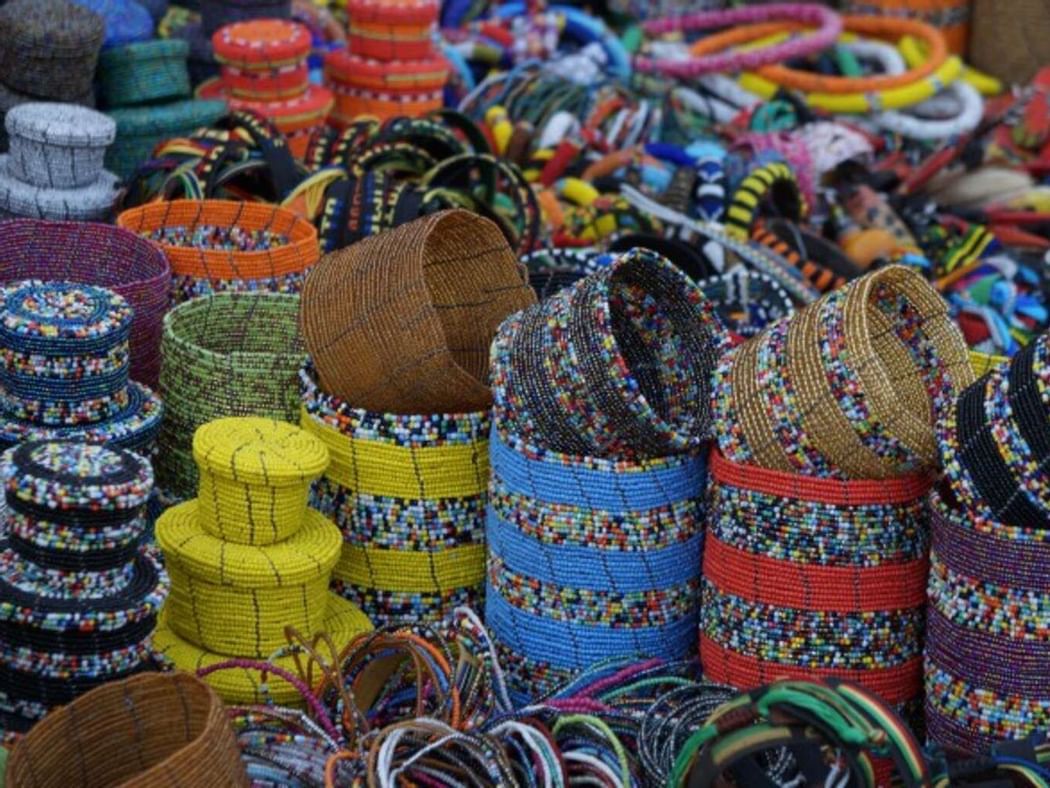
pixel 78 596
pixel 264 70
pixel 54 166
pixel 65 365
pixel 988 636
pixel 390 68
pixel 248 558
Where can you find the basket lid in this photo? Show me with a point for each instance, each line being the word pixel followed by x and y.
pixel 393 12
pixel 58 28
pixel 310 553
pixel 61 315
pixel 258 450
pixel 142 51
pixel 261 43
pixel 61 124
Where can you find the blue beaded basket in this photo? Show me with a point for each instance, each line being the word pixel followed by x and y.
pixel 126 21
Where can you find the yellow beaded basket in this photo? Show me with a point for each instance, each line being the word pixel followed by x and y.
pixel 255 477
pixel 237 599
pixel 245 685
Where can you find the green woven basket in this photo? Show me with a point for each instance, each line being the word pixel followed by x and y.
pixel 228 354
pixel 143 72
pixel 139 129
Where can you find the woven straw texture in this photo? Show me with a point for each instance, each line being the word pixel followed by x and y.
pixel 57 146
pixel 1011 46
pixel 615 366
pixel 151 730
pixel 141 128
pixel 144 72
pixel 408 493
pixel 849 386
pixel 255 472
pixel 200 265
pixel 50 48
pixel 590 559
pixel 228 354
pixel 99 255
pixel 988 637
pixel 401 322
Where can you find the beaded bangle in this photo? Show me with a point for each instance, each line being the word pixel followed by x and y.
pixel 776 181
pixel 821 277
pixel 830 26
pixel 746 301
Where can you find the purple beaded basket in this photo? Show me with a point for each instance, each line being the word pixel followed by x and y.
pixel 101 255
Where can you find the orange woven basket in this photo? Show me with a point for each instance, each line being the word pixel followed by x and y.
pixel 294 257
pixel 148 731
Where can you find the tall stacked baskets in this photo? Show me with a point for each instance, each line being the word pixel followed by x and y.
pixel 248 558
pixel 399 327
pixel 989 591
pixel 595 512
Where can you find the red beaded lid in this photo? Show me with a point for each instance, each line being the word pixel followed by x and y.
pixel 261 42
pixel 415 76
pixel 393 12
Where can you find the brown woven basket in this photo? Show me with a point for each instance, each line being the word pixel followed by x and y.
pixel 401 322
pixel 1010 39
pixel 153 729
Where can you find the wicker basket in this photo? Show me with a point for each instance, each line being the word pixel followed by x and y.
pixel 152 730
pixel 99 255
pixel 200 269
pixel 228 354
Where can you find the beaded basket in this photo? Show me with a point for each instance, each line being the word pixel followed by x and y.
pixel 50 48
pixel 449 279
pixel 78 597
pixel 228 354
pixel 218 13
pixel 988 636
pixel 408 493
pixel 140 129
pixel 180 727
pixel 144 72
pixel 849 386
pixel 222 245
pixel 589 559
pixel 57 146
pixel 263 59
pixel 814 578
pixel 126 21
pixel 392 30
pixel 100 255
pixel 615 366
pixel 20 200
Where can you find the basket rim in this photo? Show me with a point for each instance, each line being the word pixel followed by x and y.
pixel 186 308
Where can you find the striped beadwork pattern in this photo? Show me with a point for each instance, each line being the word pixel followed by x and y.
pixel 408 493
pixel 813 578
pixel 988 637
pixel 590 559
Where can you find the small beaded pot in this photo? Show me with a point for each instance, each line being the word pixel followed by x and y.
pixel 57 146
pixel 219 13
pixel 65 362
pixel 995 443
pixel 222 245
pixel 589 559
pixel 408 493
pixel 263 59
pixel 615 366
pixel 127 22
pixel 255 477
pixel 99 255
pixel 139 129
pixel 78 596
pixel 228 354
pixel 91 203
pixel 392 30
pixel 449 278
pixel 50 48
pixel 810 578
pixel 988 629
pixel 849 386
pixel 144 72
pixel 181 728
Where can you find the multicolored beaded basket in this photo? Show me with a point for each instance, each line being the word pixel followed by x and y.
pixel 815 578
pixel 408 493
pixel 222 245
pixel 848 387
pixel 391 29
pixel 263 59
pixel 589 559
pixel 65 368
pixel 78 595
pixel 99 255
pixel 227 354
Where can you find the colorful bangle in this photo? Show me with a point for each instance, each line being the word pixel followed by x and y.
pixel 829 28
